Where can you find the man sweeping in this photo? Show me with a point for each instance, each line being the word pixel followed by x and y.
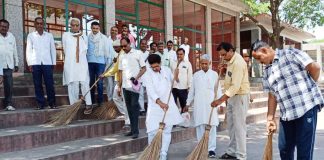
pixel 202 92
pixel 158 81
pixel 75 45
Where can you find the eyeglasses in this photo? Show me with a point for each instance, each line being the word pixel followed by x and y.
pixel 123 46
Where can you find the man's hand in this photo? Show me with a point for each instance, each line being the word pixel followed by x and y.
pixel 216 103
pixel 186 108
pixel 119 91
pixel 1 79
pixel 164 106
pixel 30 68
pixel 16 68
pixel 102 76
pixel 271 126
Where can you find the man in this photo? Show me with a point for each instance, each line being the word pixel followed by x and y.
pixel 203 93
pixel 183 78
pixel 118 99
pixel 131 68
pixel 125 34
pixel 144 54
pixel 169 50
pixel 41 59
pixel 290 79
pixel 165 57
pixel 99 48
pixel 111 83
pixel 237 91
pixel 158 82
pixel 153 47
pixel 9 61
pixel 75 45
pixel 186 47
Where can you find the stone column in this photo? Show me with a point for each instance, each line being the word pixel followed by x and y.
pixel 208 32
pixel 110 15
pixel 319 59
pixel 14 14
pixel 168 20
pixel 238 32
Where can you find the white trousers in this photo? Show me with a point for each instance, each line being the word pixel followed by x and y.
pixel 200 130
pixel 110 87
pixel 74 90
pixel 166 139
pixel 120 103
pixel 141 98
pixel 237 107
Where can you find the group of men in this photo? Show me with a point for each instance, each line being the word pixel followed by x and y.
pixel 163 74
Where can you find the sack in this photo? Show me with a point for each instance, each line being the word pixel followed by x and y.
pixel 267 155
pixel 186 117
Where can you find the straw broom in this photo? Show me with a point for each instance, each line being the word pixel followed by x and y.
pixel 267 155
pixel 200 151
pixel 152 151
pixel 65 116
pixel 107 112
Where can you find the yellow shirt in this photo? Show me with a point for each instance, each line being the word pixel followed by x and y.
pixel 236 79
pixel 114 70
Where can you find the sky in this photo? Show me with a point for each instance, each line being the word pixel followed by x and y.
pixel 318 32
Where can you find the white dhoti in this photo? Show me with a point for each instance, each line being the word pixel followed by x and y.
pixel 166 139
pixel 141 98
pixel 74 90
pixel 110 87
pixel 120 103
pixel 200 130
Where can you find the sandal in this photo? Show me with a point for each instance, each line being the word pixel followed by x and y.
pixel 227 156
pixel 88 110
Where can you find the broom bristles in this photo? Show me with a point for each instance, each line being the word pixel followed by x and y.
pixel 267 155
pixel 152 151
pixel 65 116
pixel 107 112
pixel 200 151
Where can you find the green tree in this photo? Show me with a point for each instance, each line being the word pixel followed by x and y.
pixel 298 13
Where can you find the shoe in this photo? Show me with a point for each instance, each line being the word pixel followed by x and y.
pixel 128 134
pixel 53 106
pixel 135 136
pixel 10 108
pixel 142 113
pixel 211 154
pixel 88 109
pixel 227 156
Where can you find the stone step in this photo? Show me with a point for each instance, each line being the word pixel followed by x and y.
pixel 30 101
pixel 98 148
pixel 29 90
pixel 27 137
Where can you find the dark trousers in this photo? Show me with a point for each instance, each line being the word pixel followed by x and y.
pixel 182 94
pixel 298 133
pixel 95 70
pixel 8 84
pixel 133 108
pixel 46 72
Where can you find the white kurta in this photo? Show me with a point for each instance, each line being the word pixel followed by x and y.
pixel 75 71
pixel 202 93
pixel 158 85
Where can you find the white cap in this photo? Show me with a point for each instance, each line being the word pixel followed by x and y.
pixel 205 57
pixel 116 43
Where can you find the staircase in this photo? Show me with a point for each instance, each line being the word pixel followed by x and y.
pixel 24 136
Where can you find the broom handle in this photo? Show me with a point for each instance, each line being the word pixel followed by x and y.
pixel 99 78
pixel 216 91
pixel 170 93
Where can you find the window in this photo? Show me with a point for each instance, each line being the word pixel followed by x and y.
pixel 189 22
pixel 223 30
pixel 145 19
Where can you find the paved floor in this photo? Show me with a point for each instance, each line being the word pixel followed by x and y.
pixel 255 144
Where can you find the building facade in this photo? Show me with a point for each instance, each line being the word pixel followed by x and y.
pixel 205 23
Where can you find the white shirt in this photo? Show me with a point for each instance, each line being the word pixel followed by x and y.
pixel 74 72
pixel 8 49
pixel 130 64
pixel 165 58
pixel 40 49
pixel 185 74
pixel 172 54
pixel 186 47
pixel 202 93
pixel 158 85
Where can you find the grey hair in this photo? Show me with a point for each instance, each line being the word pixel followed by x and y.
pixel 160 43
pixel 205 57
pixel 75 19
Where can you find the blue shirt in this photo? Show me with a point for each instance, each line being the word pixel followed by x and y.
pixel 287 79
pixel 92 58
